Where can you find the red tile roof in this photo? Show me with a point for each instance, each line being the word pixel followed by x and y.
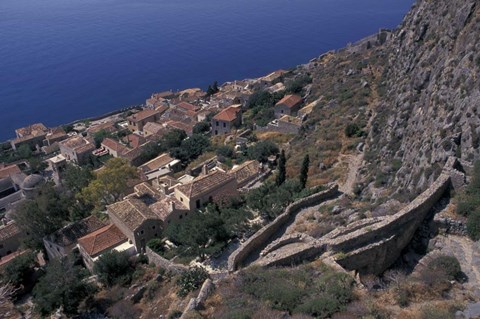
pixel 102 239
pixel 114 145
pixel 188 128
pixel 290 101
pixel 8 231
pixel 69 234
pixel 9 171
pixel 135 140
pixel 229 114
pixel 188 106
pixel 205 183
pixel 142 115
pixel 34 129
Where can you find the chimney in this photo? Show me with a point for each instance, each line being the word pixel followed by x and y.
pixel 204 169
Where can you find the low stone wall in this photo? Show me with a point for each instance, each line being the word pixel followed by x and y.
pixel 163 263
pixel 292 256
pixel 285 240
pixel 260 237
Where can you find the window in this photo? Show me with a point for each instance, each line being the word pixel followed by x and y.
pixel 141 232
pixel 224 124
pixel 156 235
pixel 198 203
pixel 281 111
pixel 216 123
pixel 180 217
pixel 181 199
pixel 153 227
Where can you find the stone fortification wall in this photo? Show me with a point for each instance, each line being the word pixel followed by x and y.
pixel 414 212
pixel 372 245
pixel 286 240
pixel 260 237
pixel 163 263
pixel 374 248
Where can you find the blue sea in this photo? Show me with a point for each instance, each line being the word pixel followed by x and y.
pixel 62 60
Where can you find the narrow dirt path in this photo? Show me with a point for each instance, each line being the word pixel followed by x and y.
pixel 354 164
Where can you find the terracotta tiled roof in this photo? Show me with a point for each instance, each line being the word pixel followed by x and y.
pixel 77 143
pixel 69 234
pixel 142 115
pixel 107 127
pixel 114 145
pixel 157 163
pixel 34 129
pixel 290 100
pixel 291 120
pixel 102 239
pixel 9 171
pixel 8 231
pixel 132 212
pixel 188 128
pixel 161 109
pixel 135 140
pixel 153 128
pixel 206 183
pixel 229 114
pixel 163 95
pixel 245 171
pixel 187 106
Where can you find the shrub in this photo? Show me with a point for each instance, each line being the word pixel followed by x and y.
pixel 191 280
pixel 113 268
pixel 432 312
pixel 447 264
pixel 352 129
pixel 473 225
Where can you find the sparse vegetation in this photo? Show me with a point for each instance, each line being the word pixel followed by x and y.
pixel 191 280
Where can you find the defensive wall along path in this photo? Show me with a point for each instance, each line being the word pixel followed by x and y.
pixel 368 246
pixel 261 238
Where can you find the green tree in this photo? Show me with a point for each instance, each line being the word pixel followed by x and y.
pixel 110 183
pixel 191 148
pixel 36 165
pixel 201 127
pixel 61 286
pixel 304 171
pixel 225 151
pixel 41 216
pixel 113 268
pixel 173 139
pixel 19 270
pixel 204 233
pixel 75 177
pixel 262 150
pixel 99 136
pixel 282 161
pixel 24 151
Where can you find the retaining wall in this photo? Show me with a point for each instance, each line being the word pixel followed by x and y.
pixel 259 239
pixel 163 263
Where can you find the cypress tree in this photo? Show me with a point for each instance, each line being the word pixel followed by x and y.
pixel 281 169
pixel 304 171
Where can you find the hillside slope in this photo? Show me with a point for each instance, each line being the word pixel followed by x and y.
pixel 432 102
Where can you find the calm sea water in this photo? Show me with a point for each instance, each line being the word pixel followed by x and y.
pixel 62 60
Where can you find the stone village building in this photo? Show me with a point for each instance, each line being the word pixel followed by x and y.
pixel 289 105
pixel 228 119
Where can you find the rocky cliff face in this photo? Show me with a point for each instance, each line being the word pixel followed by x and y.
pixel 430 108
